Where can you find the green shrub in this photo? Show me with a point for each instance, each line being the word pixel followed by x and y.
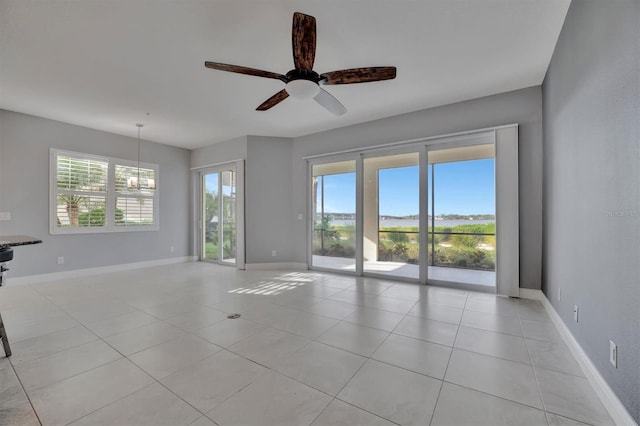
pixel 465 257
pixel 340 250
pixel 466 240
pixel 385 251
pixel 400 250
pixel 96 217
pixel 413 253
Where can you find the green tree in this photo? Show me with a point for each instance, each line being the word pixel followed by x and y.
pixel 73 203
pixel 326 222
pixel 210 206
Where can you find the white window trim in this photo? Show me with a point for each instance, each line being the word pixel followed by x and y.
pixel 110 195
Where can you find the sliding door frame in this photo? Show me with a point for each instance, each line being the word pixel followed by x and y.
pixel 505 140
pixel 384 152
pixel 311 211
pixel 238 168
pixel 483 139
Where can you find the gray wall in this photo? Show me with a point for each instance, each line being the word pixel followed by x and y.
pixel 24 192
pixel 592 186
pixel 522 106
pixel 223 152
pixel 268 200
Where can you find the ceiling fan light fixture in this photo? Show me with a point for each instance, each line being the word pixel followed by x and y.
pixel 302 89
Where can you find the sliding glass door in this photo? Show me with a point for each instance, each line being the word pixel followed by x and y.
pixel 219 233
pixel 334 215
pixel 425 212
pixel 391 209
pixel 461 214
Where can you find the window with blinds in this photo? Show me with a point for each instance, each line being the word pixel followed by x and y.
pixel 81 184
pixel 101 194
pixel 135 190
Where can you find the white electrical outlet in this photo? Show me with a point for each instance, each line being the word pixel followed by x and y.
pixel 60 260
pixel 613 353
pixel 300 216
pixel 575 312
pixel 172 249
pixel 274 253
pixel 5 215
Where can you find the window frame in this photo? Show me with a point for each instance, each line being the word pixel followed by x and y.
pixel 110 195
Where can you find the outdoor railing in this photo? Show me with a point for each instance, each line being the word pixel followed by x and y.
pixel 467 250
pixel 398 246
pixel 334 242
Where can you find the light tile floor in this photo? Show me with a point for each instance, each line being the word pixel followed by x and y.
pixel 154 347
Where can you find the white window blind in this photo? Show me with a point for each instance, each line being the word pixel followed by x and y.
pixel 101 194
pixel 81 192
pixel 135 189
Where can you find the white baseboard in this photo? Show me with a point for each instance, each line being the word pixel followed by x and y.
pixel 616 410
pixel 54 276
pixel 277 266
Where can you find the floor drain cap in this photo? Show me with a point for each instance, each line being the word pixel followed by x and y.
pixel 233 316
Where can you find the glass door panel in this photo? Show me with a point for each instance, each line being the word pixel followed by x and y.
pixel 211 217
pixel 462 215
pixel 219 216
pixel 334 215
pixel 228 215
pixel 391 207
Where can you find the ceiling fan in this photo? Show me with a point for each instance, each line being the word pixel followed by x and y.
pixel 302 82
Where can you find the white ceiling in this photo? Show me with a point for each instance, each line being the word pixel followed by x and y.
pixel 105 64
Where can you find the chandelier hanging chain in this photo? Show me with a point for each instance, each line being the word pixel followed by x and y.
pixel 139 125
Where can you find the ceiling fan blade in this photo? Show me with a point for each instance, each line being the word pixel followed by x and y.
pixel 329 103
pixel 244 70
pixel 273 101
pixel 303 35
pixel 359 75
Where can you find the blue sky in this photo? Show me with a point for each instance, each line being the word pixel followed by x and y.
pixel 211 184
pixel 465 187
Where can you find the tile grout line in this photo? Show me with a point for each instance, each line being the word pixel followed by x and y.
pixel 221 402
pixel 533 370
pixel 444 375
pixel 496 396
pixel 142 370
pixel 73 346
pixel 312 340
pixel 109 404
pixel 123 356
pixel 369 358
pixel 35 413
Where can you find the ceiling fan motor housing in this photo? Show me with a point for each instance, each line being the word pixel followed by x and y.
pixel 302 74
